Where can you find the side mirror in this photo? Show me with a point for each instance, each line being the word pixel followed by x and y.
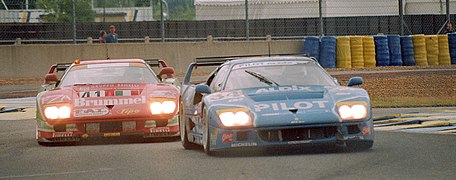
pixel 200 89
pixel 354 81
pixel 51 78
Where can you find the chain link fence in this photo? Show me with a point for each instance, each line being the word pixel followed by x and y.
pixel 51 21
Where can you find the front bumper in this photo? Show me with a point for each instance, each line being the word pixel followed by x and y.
pixel 291 135
pixel 77 131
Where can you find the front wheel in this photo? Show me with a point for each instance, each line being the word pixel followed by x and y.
pixel 206 134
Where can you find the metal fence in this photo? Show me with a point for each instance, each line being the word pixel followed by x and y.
pixel 192 20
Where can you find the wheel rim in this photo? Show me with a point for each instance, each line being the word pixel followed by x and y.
pixel 182 125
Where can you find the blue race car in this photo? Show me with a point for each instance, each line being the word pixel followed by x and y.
pixel 272 101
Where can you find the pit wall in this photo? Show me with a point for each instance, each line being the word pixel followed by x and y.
pixel 31 61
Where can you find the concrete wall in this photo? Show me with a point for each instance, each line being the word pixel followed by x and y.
pixel 34 60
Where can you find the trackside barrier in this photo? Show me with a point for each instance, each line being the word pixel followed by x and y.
pixel 343 52
pixel 419 47
pixel 394 46
pixel 407 52
pixel 328 52
pixel 432 49
pixel 452 46
pixel 312 46
pixel 382 50
pixel 356 46
pixel 444 51
pixel 369 51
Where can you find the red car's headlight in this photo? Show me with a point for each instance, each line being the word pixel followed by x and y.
pixel 162 106
pixel 57 111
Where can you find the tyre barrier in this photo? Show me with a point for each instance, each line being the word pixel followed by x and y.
pixel 444 51
pixel 432 49
pixel 356 46
pixel 394 46
pixel 381 50
pixel 343 52
pixel 452 46
pixel 369 51
pixel 419 48
pixel 328 52
pixel 312 46
pixel 408 58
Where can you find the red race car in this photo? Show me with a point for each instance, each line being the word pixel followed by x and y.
pixel 106 98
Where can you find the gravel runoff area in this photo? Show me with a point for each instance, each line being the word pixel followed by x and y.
pixel 387 86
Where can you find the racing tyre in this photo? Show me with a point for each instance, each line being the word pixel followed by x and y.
pixel 183 131
pixel 353 146
pixel 206 135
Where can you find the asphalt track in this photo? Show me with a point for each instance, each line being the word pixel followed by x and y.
pixel 395 155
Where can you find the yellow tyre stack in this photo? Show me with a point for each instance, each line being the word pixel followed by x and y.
pixel 419 47
pixel 343 52
pixel 444 51
pixel 356 46
pixel 369 51
pixel 432 49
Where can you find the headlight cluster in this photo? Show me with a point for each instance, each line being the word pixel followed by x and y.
pixel 162 106
pixel 235 117
pixel 57 112
pixel 352 110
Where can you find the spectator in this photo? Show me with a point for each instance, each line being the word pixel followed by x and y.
pixel 449 28
pixel 112 37
pixel 102 38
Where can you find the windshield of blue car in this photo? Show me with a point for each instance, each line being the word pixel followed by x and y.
pixel 108 73
pixel 277 73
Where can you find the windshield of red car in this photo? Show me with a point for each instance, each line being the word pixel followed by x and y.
pixel 108 73
pixel 277 73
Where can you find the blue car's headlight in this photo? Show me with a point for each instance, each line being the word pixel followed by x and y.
pixel 352 110
pixel 235 117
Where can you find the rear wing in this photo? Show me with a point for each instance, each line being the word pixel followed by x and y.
pixel 219 60
pixel 59 67
pixel 156 62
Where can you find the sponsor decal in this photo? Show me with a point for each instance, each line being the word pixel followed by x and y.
pixel 55 99
pixel 163 94
pixel 244 144
pixel 128 111
pixel 91 112
pixel 283 89
pixel 214 137
pixel 160 130
pixel 62 134
pixel 225 95
pixel 81 102
pixel 115 134
pixel 300 142
pixel 227 137
pixel 300 105
pixel 102 93
pixel 273 63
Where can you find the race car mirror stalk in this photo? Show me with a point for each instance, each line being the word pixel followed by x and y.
pixel 355 81
pixel 168 71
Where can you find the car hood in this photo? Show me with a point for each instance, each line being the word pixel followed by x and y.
pixel 288 105
pixel 106 101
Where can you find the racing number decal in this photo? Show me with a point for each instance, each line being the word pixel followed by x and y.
pixel 92 94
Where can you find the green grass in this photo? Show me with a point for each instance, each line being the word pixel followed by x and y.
pixel 394 102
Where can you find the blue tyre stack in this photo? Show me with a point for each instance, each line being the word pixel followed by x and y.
pixel 452 46
pixel 381 50
pixel 312 46
pixel 394 45
pixel 328 52
pixel 408 55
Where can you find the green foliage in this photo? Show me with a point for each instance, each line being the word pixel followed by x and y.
pixel 62 10
pixel 177 9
